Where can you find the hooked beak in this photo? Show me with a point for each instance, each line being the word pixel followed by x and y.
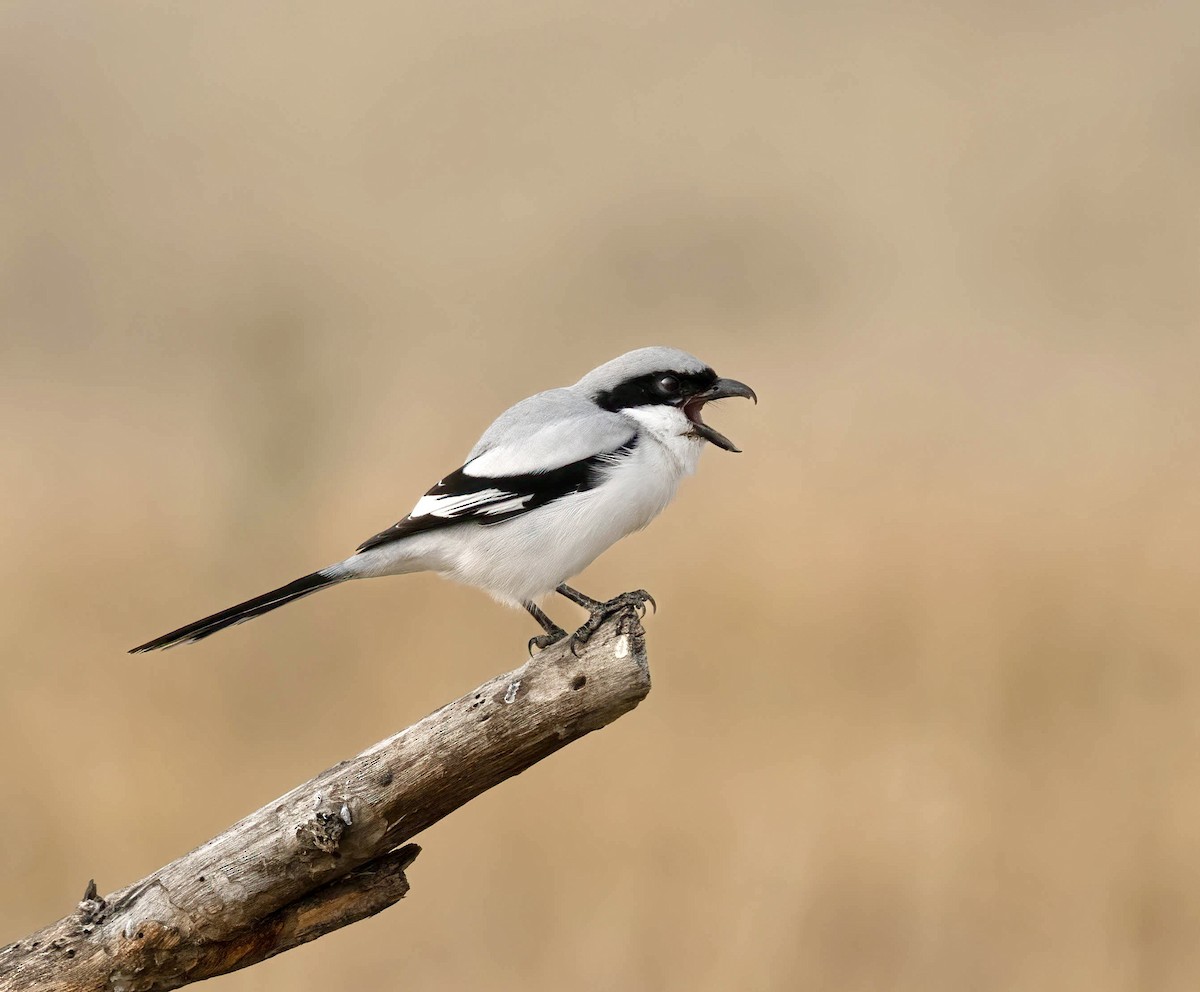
pixel 720 390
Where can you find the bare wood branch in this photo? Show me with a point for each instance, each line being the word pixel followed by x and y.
pixel 331 851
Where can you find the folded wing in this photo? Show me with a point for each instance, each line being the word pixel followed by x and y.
pixel 503 480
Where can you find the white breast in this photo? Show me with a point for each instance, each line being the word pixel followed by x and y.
pixel 525 558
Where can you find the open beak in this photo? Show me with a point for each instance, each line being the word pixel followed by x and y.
pixel 720 390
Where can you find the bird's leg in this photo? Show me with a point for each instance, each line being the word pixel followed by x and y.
pixel 575 596
pixel 599 612
pixel 554 632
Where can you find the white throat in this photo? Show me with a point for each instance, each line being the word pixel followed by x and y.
pixel 670 427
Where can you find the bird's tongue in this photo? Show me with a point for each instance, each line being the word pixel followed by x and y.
pixel 708 433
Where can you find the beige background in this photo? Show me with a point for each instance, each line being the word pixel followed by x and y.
pixel 926 699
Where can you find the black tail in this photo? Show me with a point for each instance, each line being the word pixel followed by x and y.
pixel 248 610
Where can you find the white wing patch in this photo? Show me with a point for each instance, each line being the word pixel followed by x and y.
pixel 488 501
pixel 507 505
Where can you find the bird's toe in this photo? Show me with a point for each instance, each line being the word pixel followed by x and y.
pixel 543 641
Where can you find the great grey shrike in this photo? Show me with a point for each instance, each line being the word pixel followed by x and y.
pixel 553 483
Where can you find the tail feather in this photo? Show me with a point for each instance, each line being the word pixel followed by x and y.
pixel 248 610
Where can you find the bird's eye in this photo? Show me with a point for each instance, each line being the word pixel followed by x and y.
pixel 668 384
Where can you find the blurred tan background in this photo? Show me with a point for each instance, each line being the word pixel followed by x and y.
pixel 926 711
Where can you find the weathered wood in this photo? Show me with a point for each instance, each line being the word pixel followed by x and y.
pixel 330 852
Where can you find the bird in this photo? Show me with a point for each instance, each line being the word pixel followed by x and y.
pixel 555 481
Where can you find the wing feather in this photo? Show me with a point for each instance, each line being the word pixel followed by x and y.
pixel 465 498
pixel 548 431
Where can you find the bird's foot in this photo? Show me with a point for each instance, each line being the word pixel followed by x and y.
pixel 543 641
pixel 635 601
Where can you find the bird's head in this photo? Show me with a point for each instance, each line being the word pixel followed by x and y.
pixel 650 380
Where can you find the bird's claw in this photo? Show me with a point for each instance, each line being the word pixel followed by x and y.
pixel 635 601
pixel 543 641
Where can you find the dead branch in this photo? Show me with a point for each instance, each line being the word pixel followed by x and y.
pixel 333 850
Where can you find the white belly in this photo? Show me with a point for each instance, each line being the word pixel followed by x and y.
pixel 523 559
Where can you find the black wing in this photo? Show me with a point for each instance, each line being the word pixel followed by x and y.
pixel 486 500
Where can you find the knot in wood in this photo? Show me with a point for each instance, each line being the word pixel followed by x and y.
pixel 92 908
pixel 323 831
